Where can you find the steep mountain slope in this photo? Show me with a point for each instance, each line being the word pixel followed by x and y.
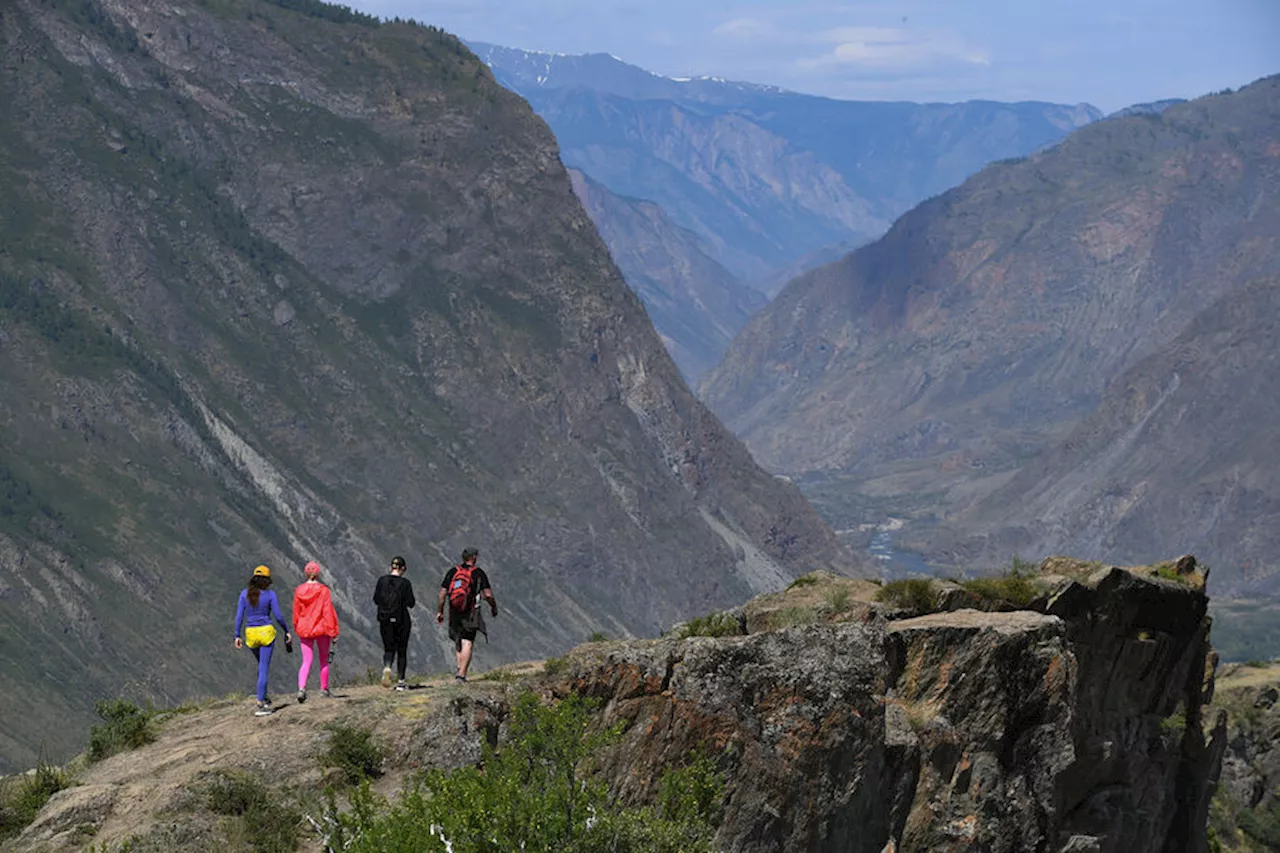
pixel 1155 465
pixel 758 201
pixel 276 287
pixel 697 304
pixel 766 175
pixel 922 371
pixel 772 182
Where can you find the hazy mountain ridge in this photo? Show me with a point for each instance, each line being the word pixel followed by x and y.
pixel 698 303
pixel 1111 484
pixel 771 181
pixel 277 288
pixel 924 370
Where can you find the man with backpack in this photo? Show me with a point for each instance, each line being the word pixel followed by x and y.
pixel 394 597
pixel 463 587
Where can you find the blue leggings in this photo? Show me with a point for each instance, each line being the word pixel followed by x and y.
pixel 263 654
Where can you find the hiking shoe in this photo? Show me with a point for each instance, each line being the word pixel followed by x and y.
pixel 263 710
pixel 401 687
pixel 302 695
pixel 325 694
pixel 386 676
pixel 461 678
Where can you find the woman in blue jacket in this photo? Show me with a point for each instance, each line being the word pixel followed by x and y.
pixel 258 606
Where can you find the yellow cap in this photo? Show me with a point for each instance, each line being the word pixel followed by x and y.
pixel 262 572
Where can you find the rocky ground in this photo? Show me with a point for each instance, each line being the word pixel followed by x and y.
pixel 1245 815
pixel 1059 710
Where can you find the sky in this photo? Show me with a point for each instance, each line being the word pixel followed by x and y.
pixel 1110 53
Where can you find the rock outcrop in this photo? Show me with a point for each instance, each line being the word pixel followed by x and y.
pixel 1074 725
pixel 1245 813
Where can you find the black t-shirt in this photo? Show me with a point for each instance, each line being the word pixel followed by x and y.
pixel 394 597
pixel 479 581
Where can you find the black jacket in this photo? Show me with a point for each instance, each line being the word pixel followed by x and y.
pixel 394 597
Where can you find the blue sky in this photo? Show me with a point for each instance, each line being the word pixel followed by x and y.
pixel 1110 53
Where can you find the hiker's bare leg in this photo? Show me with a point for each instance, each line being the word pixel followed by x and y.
pixel 464 658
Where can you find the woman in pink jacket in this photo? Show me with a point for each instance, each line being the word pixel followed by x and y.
pixel 315 623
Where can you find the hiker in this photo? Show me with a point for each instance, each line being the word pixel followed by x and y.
pixel 462 587
pixel 258 606
pixel 394 597
pixel 316 624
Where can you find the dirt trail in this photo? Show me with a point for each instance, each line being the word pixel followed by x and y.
pixel 153 794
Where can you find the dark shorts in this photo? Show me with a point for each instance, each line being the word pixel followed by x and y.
pixel 461 628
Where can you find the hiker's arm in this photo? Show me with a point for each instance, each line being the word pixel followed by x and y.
pixel 440 606
pixel 239 619
pixel 410 602
pixel 493 603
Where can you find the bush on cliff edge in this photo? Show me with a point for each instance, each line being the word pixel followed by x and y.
pixel 534 793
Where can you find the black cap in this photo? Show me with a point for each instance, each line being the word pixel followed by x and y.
pixel 468 553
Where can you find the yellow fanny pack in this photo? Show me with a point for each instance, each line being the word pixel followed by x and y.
pixel 263 635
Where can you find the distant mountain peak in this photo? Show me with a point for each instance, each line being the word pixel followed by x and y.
pixel 520 68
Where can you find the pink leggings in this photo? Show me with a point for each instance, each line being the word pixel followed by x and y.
pixel 318 646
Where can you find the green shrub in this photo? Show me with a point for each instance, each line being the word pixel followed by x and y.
pixel 353 751
pixel 598 637
pixel 839 599
pixel 1169 572
pixel 1262 825
pixel 125 725
pixel 534 793
pixel 1174 725
pixel 22 797
pixel 554 666
pixel 712 625
pixel 918 595
pixel 1019 566
pixel 1018 588
pixel 259 818
pixel 803 580
pixel 693 794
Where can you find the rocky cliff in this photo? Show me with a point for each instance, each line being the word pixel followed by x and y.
pixel 279 286
pixel 1245 813
pixel 952 359
pixel 1074 724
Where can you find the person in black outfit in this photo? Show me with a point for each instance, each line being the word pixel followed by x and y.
pixel 394 597
pixel 466 621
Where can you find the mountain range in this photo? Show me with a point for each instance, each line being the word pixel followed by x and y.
pixel 1070 351
pixel 772 182
pixel 279 282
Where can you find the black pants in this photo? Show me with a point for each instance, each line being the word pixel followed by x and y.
pixel 395 643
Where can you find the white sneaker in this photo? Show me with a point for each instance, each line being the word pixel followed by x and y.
pixel 302 695
pixel 386 676
pixel 263 710
pixel 401 687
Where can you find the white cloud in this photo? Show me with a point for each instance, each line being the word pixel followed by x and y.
pixel 891 48
pixel 744 30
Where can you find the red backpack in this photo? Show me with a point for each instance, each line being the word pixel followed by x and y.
pixel 460 588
